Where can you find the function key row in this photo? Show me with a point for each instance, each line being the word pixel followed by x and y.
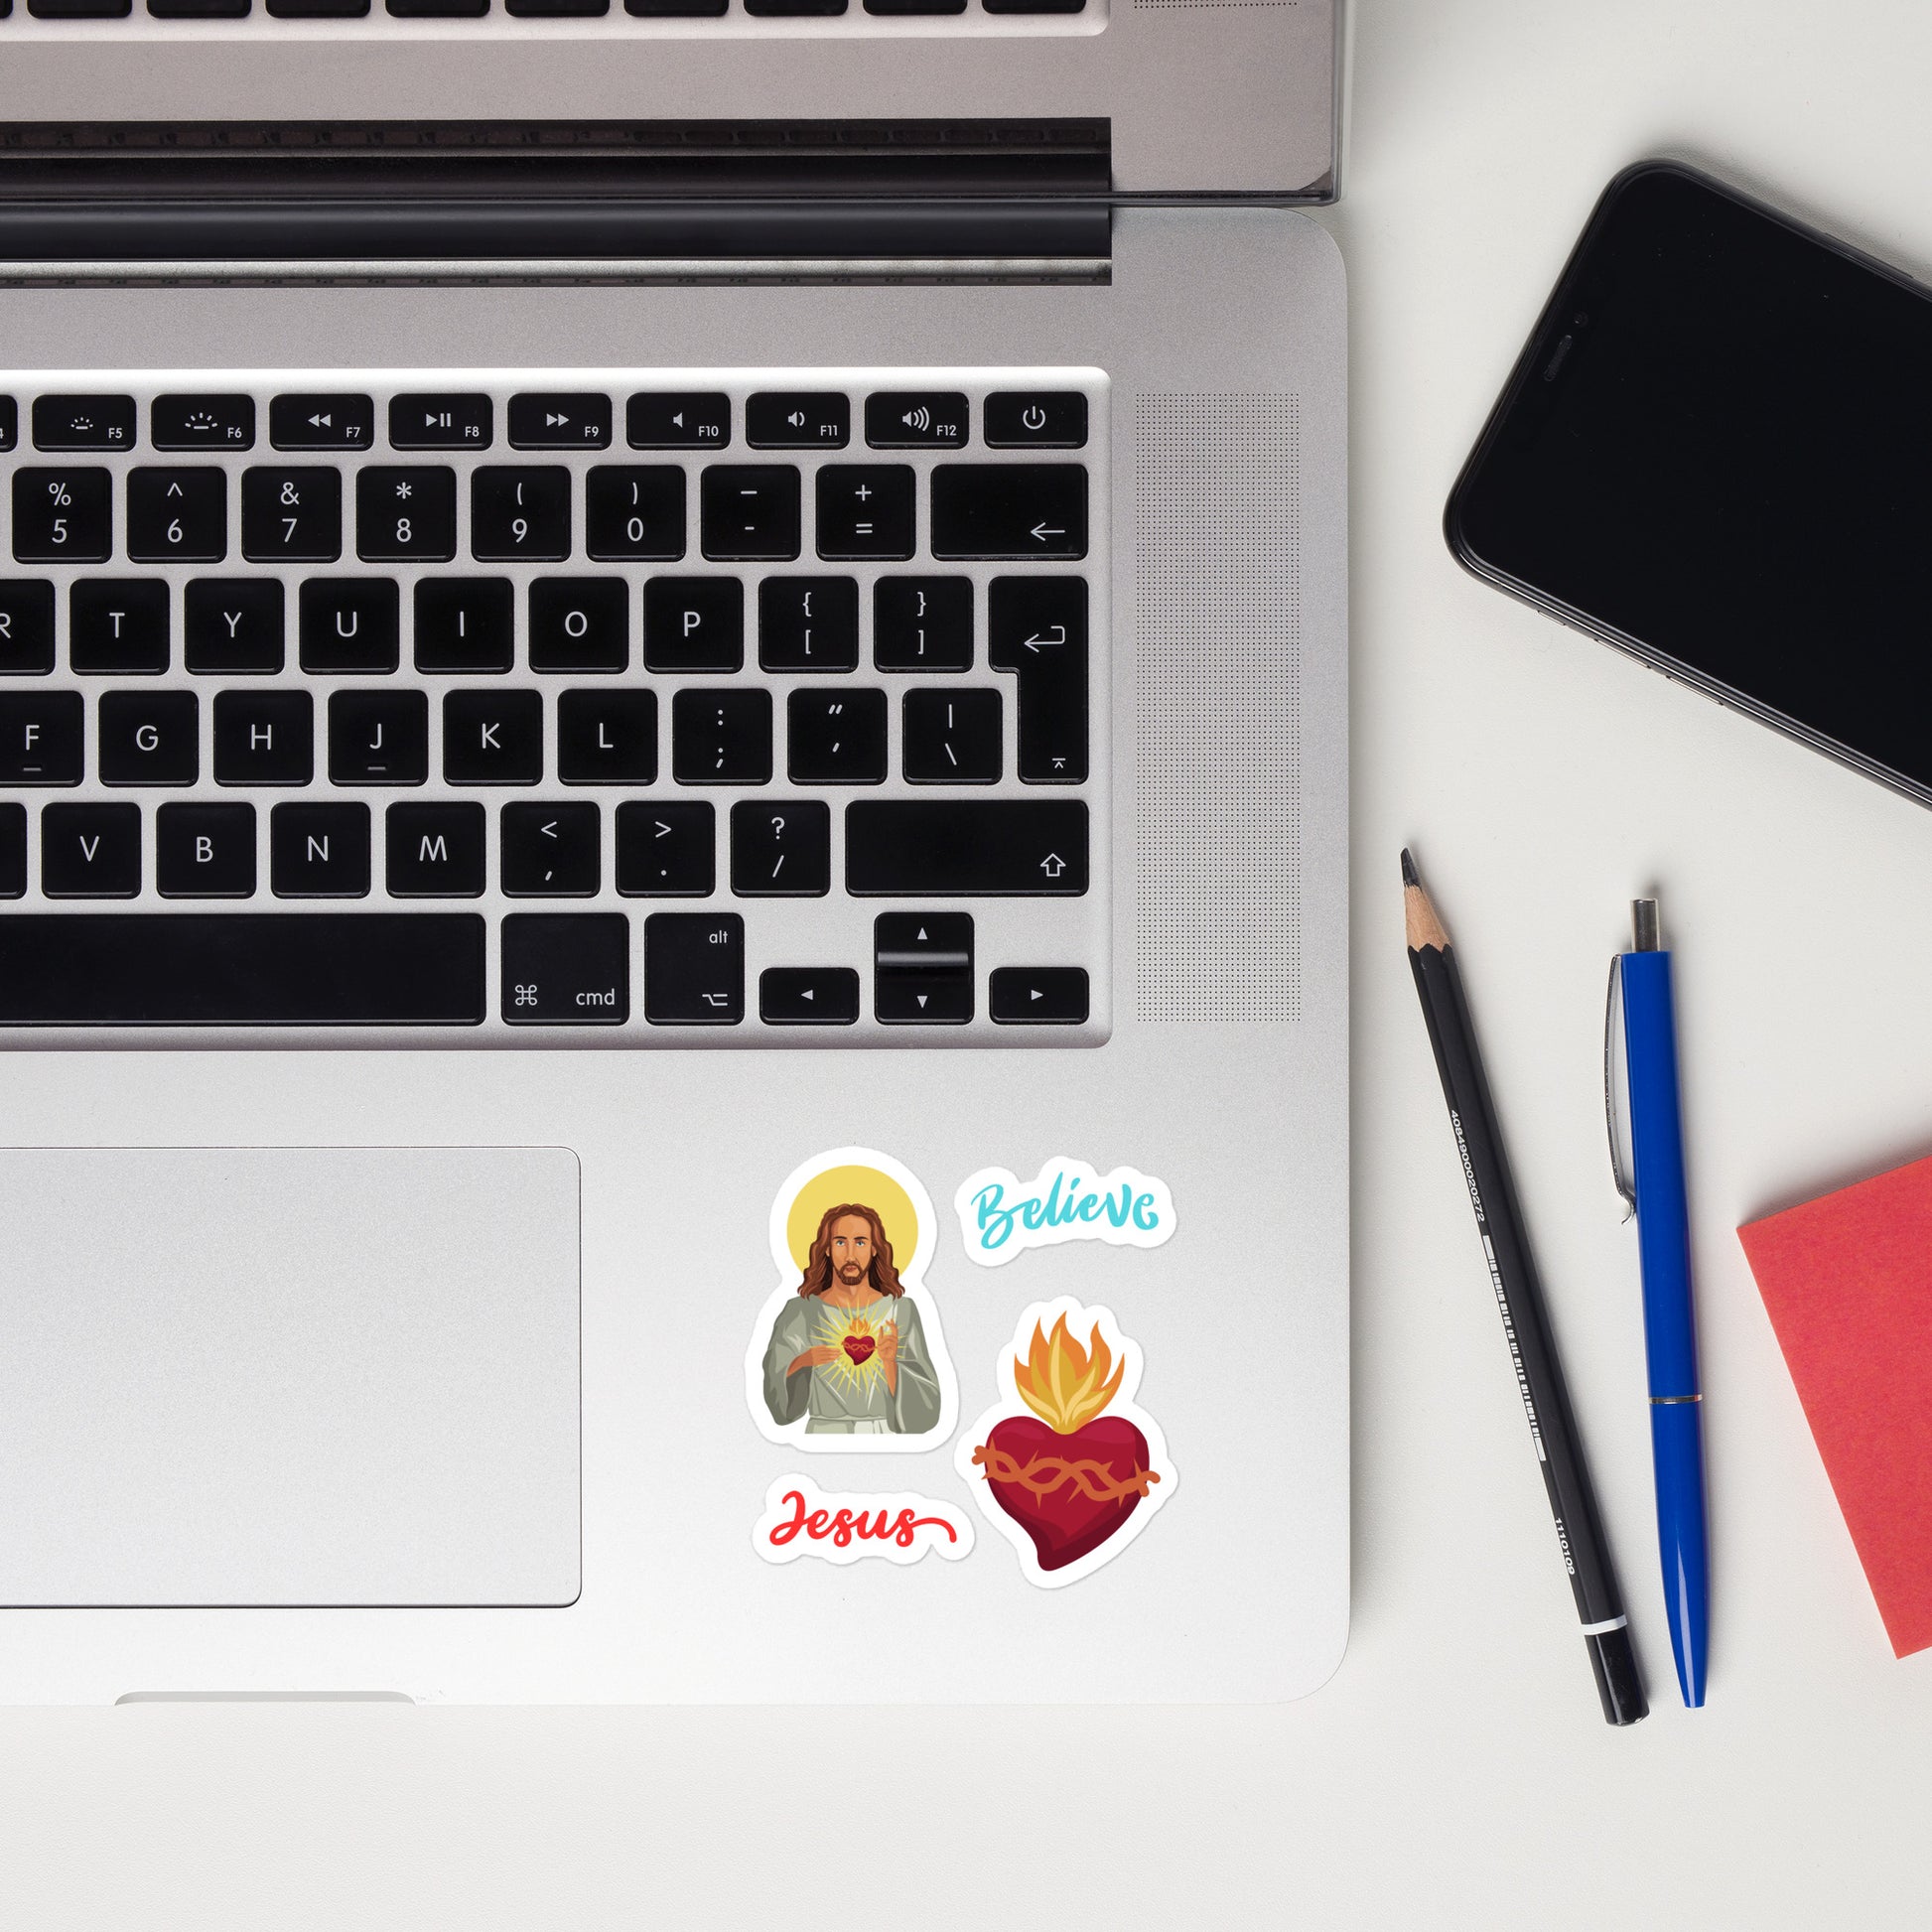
pixel 633 512
pixel 779 849
pixel 671 420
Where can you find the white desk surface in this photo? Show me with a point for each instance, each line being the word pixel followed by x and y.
pixel 1455 1773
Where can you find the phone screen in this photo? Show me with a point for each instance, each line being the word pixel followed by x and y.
pixel 1717 451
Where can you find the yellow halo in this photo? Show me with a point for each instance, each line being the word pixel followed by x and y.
pixel 866 1186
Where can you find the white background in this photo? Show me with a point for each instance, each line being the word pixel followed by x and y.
pixel 1455 1773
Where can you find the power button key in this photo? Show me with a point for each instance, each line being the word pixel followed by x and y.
pixel 1035 419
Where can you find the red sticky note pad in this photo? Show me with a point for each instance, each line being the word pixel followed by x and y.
pixel 1848 1282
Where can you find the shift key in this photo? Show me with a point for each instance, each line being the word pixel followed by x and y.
pixel 978 848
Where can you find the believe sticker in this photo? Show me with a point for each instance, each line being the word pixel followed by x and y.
pixel 1067 1468
pixel 1001 1216
pixel 802 1520
pixel 847 1356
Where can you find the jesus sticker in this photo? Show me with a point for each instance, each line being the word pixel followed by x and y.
pixel 846 1354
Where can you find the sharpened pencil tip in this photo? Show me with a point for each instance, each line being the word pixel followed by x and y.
pixel 1409 869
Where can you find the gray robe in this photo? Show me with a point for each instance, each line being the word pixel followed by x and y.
pixel 845 1398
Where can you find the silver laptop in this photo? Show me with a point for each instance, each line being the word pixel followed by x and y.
pixel 672 875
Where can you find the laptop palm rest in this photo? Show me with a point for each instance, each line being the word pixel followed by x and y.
pixel 289 1376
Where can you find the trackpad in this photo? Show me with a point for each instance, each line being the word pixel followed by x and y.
pixel 289 1376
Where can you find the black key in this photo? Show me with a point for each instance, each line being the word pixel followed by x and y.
pixel 1037 628
pixel 493 737
pixel 118 623
pixel 1035 419
pixel 201 422
pixel 783 9
pixel 292 515
pixel 686 419
pixel 781 848
pixel 205 851
pixel 458 422
pixel 232 625
pixel 264 738
pixel 634 511
pixel 865 511
pixel 79 9
pixel 317 9
pixel 580 624
pixel 150 737
pixel 84 422
pixel 1037 996
pixel 721 737
pixel 694 968
pixel 552 851
pixel 465 623
pixel 521 511
pixel 321 422
pixel 836 738
pixel 242 969
pixel 694 623
pixel 798 420
pixel 1036 7
pixel 566 968
pixel 560 422
pixel 954 846
pixel 749 512
pixel 674 9
pixel 177 516
pixel 433 851
pixel 198 9
pixel 64 516
pixel 319 851
pixel 916 6
pixel 544 9
pixel 927 419
pixel 90 852
pixel 405 514
pixel 26 626
pixel 922 623
pixel 808 624
pixel 9 423
pixel 952 737
pixel 13 850
pixel 808 995
pixel 437 9
pixel 378 738
pixel 1009 509
pixel 666 851
pixel 41 737
pixel 606 738
pixel 922 969
pixel 350 623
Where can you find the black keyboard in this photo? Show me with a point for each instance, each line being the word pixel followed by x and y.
pixel 629 707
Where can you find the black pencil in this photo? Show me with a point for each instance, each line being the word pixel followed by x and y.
pixel 1526 1322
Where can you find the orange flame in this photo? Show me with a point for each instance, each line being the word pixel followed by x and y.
pixel 1063 1384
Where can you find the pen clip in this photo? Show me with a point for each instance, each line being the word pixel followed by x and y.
pixel 1618 1178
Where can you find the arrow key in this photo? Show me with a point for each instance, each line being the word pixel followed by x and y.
pixel 551 851
pixel 1037 996
pixel 808 995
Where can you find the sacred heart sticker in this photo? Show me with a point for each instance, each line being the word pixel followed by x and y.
pixel 1067 1468
pixel 847 1356
pixel 1001 1216
pixel 803 1520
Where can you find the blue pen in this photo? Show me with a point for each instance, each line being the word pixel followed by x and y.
pixel 1669 1325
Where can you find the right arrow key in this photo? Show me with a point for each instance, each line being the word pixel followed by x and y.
pixel 1037 996
pixel 1009 510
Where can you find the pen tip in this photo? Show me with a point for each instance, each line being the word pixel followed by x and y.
pixel 1409 869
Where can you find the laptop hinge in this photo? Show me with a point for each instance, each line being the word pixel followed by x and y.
pixel 530 200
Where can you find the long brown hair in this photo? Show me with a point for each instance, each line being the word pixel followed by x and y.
pixel 818 1264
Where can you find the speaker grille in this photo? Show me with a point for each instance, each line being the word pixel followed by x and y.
pixel 1217 704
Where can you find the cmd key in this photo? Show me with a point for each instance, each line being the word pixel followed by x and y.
pixel 1009 509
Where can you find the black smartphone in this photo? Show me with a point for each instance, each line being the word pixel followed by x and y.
pixel 1716 452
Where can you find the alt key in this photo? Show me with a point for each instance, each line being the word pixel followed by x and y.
pixel 569 969
pixel 1039 996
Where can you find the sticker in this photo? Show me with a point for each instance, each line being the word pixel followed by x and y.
pixel 848 1356
pixel 1067 1468
pixel 802 1520
pixel 1002 1216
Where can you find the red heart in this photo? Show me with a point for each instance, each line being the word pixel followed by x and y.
pixel 1069 1493
pixel 859 1347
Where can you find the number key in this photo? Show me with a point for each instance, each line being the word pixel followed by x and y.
pixel 64 516
pixel 292 515
pixel 176 514
pixel 405 513
pixel 635 511
pixel 519 512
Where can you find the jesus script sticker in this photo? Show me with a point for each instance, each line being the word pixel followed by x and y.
pixel 802 1520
